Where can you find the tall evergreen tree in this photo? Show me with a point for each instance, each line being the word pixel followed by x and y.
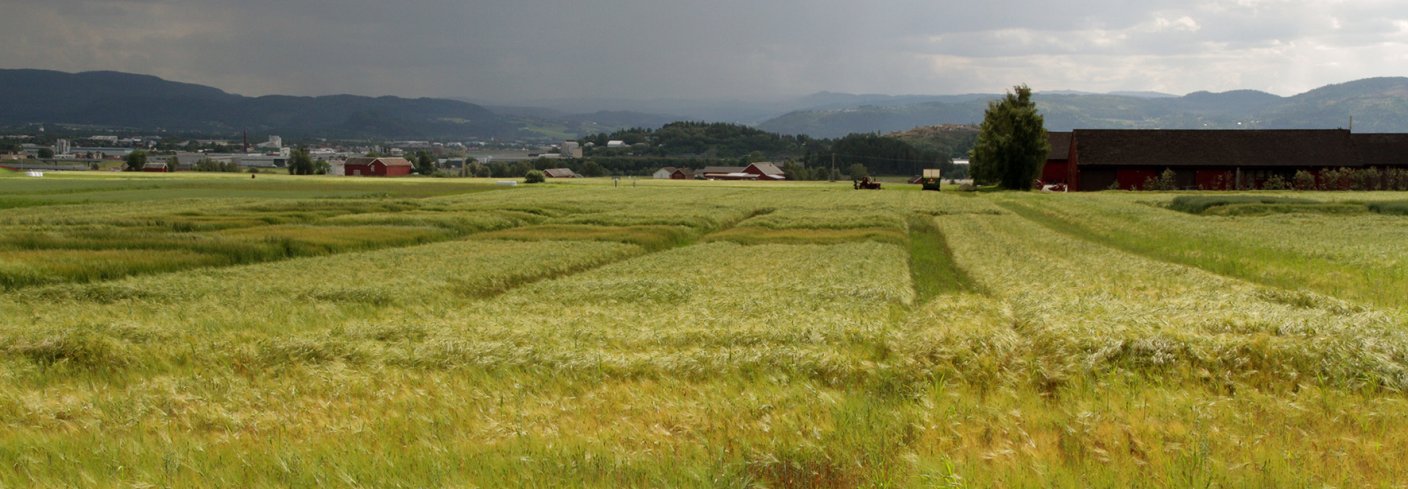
pixel 1012 143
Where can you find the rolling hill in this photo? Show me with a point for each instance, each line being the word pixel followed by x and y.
pixel 113 99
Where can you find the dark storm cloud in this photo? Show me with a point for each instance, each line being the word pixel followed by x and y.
pixel 516 50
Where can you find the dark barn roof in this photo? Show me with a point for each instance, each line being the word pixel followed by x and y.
pixel 1060 145
pixel 1265 148
pixel 1381 149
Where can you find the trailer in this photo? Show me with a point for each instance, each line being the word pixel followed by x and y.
pixel 930 180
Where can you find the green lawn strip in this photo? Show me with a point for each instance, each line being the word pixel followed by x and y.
pixel 931 264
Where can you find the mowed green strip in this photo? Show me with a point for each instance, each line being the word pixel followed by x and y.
pixel 932 267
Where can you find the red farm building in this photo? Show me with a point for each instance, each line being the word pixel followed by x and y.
pixel 1100 159
pixel 1058 169
pixel 377 167
pixel 765 171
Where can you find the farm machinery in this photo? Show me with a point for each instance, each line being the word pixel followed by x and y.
pixel 930 180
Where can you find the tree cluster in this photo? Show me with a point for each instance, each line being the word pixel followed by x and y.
pixel 300 163
pixel 136 160
pixel 883 155
pixel 211 165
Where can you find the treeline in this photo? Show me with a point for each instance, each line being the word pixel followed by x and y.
pixel 700 139
pixel 699 144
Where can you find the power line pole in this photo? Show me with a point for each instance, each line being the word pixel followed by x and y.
pixel 832 176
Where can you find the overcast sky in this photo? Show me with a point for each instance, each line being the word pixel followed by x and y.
pixel 514 50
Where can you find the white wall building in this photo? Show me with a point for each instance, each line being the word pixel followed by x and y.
pixel 570 149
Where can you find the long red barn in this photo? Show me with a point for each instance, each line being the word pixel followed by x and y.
pixel 1100 159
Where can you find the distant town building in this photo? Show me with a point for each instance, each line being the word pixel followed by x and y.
pixel 570 149
pixel 62 147
pixel 275 142
pixel 616 144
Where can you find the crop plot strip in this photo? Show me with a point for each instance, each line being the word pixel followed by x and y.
pixel 651 238
pixel 1326 255
pixel 1091 308
pixel 42 249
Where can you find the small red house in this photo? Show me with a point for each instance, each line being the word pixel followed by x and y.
pixel 156 167
pixel 377 167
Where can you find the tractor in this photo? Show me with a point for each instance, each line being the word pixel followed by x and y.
pixel 865 183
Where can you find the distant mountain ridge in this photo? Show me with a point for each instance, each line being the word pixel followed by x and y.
pixel 143 102
pixel 1375 104
pixel 114 99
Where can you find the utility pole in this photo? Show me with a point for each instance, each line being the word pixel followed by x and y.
pixel 832 176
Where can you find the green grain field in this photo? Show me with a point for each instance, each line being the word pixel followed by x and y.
pixel 222 331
